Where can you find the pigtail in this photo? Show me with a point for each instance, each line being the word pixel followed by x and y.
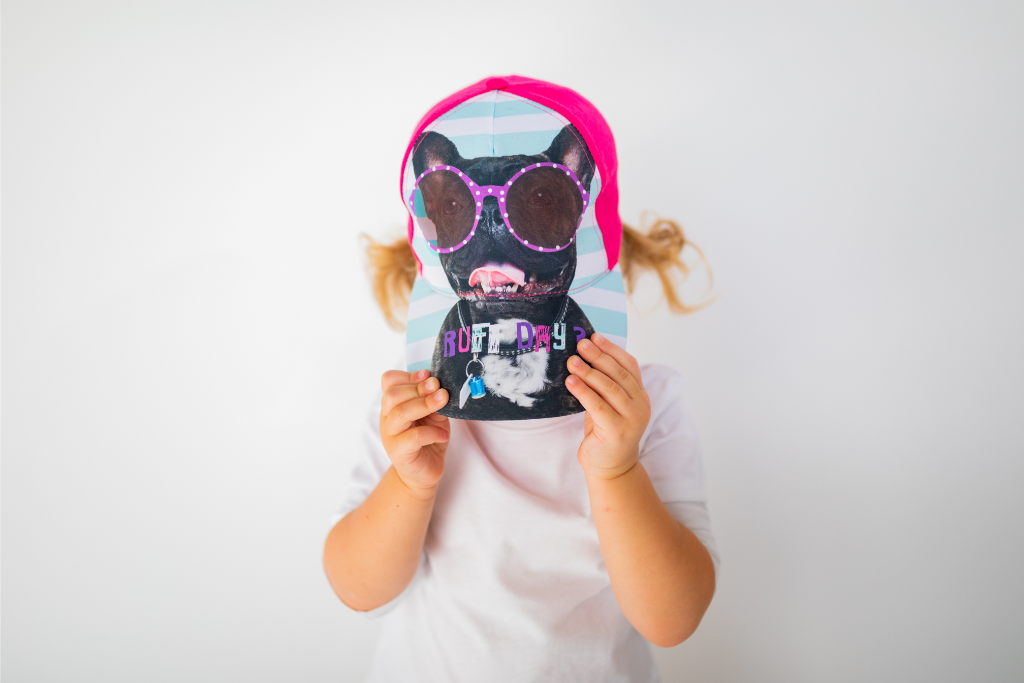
pixel 392 271
pixel 660 250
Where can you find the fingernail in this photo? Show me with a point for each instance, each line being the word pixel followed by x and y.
pixel 586 345
pixel 439 396
pixel 432 384
pixel 575 360
pixel 571 380
pixel 423 373
pixel 597 337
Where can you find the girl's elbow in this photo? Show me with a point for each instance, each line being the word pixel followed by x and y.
pixel 356 602
pixel 674 630
pixel 672 634
pixel 345 592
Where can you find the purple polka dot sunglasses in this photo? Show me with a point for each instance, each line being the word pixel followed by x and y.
pixel 542 206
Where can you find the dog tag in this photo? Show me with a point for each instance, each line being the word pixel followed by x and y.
pixel 474 385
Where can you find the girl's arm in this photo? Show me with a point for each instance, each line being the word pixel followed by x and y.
pixel 662 575
pixel 371 555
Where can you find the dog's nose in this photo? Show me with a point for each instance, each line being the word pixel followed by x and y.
pixel 490 217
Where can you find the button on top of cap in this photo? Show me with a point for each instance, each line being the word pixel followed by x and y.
pixel 496 84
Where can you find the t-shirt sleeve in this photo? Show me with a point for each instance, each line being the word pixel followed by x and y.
pixel 671 453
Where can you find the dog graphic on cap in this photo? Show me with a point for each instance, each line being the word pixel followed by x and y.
pixel 504 229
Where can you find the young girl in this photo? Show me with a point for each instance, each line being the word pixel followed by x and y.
pixel 506 547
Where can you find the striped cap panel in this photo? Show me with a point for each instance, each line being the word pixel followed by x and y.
pixel 604 304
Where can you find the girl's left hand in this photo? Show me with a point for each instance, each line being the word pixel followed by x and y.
pixel 618 409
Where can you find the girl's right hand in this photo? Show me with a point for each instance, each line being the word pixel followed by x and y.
pixel 414 436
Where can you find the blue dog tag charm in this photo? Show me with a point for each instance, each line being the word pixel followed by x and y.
pixel 474 385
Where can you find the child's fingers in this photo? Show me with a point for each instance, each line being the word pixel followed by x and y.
pixel 398 419
pixel 609 365
pixel 600 412
pixel 400 393
pixel 608 389
pixel 393 377
pixel 440 420
pixel 625 359
pixel 411 440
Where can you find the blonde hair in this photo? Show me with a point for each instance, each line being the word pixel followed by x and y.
pixel 659 248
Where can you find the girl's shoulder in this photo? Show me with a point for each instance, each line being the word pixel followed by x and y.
pixel 661 381
pixel 670 415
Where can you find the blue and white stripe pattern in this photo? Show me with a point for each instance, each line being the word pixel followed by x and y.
pixel 497 123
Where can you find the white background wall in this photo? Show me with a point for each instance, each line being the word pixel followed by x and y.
pixel 189 341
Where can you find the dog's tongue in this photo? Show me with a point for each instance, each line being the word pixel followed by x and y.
pixel 494 274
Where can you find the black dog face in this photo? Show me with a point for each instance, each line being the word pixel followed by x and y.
pixel 515 326
pixel 493 265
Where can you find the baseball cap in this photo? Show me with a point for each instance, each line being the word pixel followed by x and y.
pixel 529 128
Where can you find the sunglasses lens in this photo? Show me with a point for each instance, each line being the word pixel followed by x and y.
pixel 448 207
pixel 544 207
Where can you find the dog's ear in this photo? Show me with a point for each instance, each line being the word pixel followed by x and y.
pixel 569 149
pixel 434 149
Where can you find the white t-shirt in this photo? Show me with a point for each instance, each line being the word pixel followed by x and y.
pixel 512 584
